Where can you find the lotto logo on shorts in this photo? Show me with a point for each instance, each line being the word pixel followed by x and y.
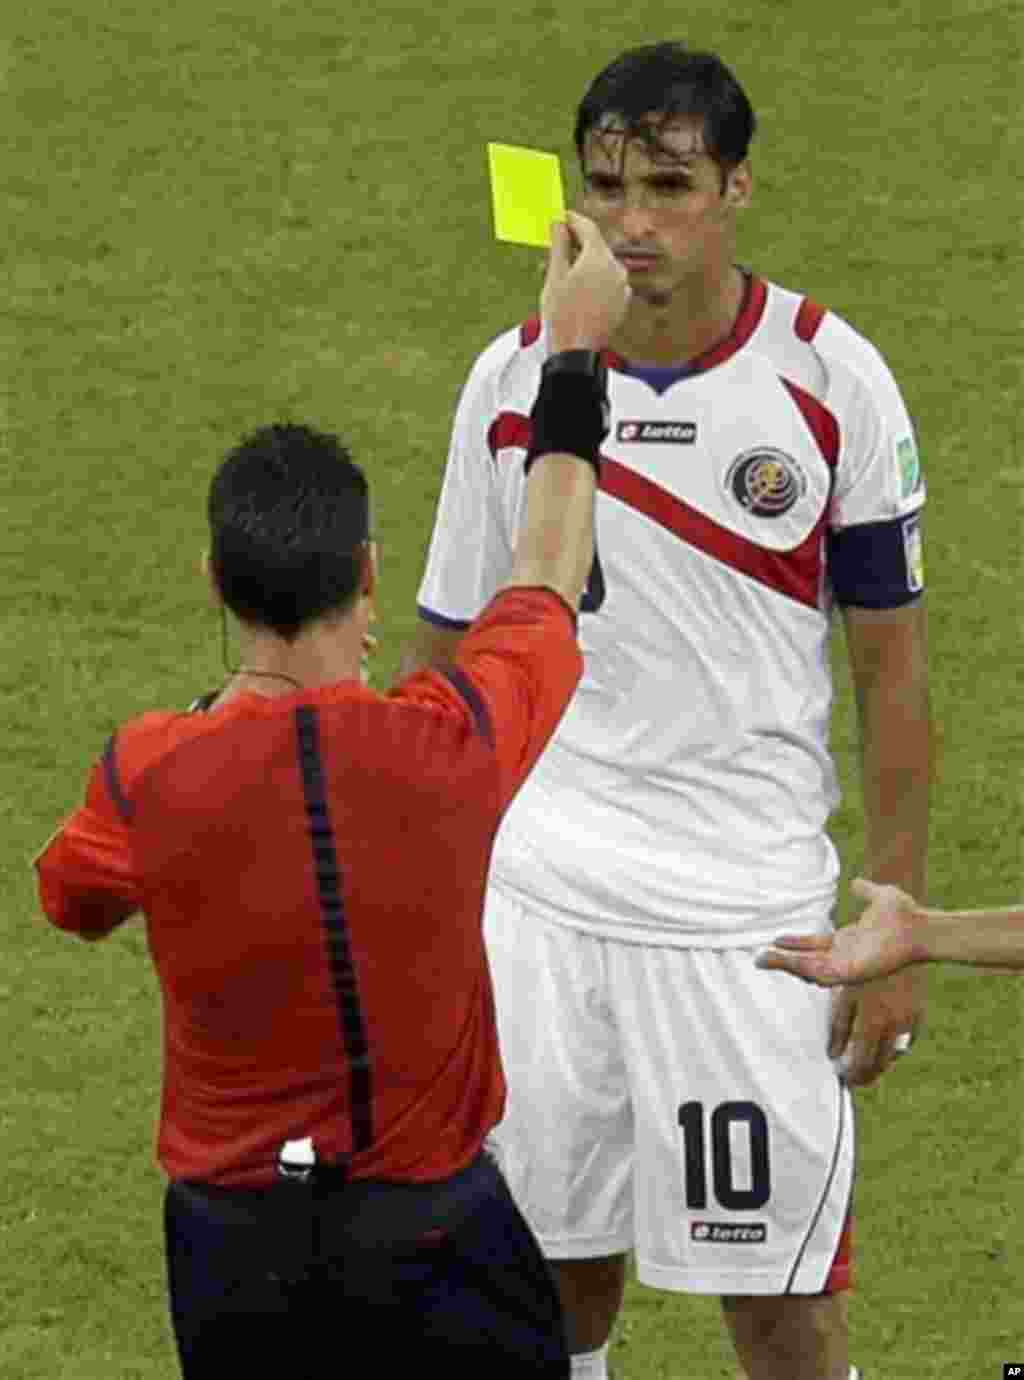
pixel 729 1233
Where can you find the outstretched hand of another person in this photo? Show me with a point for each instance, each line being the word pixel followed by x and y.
pixel 879 944
pixel 867 1035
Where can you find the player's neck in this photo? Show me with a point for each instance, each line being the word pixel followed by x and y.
pixel 694 320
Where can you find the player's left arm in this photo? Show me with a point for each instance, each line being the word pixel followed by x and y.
pixel 86 872
pixel 876 570
pixel 888 655
pixel 887 649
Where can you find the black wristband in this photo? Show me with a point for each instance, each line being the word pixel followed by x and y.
pixel 570 415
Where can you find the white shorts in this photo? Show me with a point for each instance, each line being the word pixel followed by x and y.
pixel 679 1102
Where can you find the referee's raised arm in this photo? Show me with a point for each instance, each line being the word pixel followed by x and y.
pixel 585 297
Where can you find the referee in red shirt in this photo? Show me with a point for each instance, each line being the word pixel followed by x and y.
pixel 310 857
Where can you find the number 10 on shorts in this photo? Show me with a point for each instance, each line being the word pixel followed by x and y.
pixel 729 1123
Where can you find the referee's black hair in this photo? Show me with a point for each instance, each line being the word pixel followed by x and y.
pixel 668 80
pixel 289 519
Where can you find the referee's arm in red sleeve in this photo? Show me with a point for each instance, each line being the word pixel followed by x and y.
pixel 517 668
pixel 86 872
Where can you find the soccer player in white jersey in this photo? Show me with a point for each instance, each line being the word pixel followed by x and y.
pixel 666 1096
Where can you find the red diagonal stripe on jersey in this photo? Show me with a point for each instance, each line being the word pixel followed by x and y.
pixel 796 573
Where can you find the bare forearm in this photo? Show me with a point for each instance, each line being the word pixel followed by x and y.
pixel 989 938
pixel 556 545
pixel 896 737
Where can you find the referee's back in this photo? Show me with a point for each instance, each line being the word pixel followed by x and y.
pixel 312 871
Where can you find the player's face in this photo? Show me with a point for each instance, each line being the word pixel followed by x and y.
pixel 661 206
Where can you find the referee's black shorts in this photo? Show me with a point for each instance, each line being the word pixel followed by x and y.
pixel 306 1282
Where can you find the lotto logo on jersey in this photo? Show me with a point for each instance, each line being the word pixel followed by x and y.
pixel 660 433
pixel 729 1233
pixel 766 482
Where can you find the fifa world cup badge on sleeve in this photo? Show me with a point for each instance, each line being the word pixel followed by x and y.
pixel 914 553
pixel 907 465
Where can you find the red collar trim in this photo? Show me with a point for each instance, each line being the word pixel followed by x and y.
pixel 744 326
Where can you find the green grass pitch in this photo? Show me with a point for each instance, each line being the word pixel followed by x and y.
pixel 224 214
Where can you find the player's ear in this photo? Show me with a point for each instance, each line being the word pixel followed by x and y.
pixel 739 186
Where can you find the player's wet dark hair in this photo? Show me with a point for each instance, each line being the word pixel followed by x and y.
pixel 288 513
pixel 670 80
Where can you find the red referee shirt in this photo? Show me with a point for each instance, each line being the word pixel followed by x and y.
pixel 312 872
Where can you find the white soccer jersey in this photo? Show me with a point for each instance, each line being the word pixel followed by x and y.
pixel 684 798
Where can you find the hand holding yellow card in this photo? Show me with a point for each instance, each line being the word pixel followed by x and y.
pixel 526 190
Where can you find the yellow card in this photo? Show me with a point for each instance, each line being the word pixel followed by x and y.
pixel 526 191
